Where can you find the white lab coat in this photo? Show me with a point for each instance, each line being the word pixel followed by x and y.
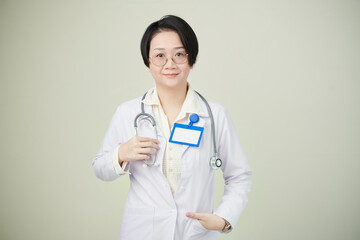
pixel 151 211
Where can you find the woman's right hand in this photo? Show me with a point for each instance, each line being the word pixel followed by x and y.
pixel 137 148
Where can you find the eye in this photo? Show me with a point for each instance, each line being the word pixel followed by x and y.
pixel 160 55
pixel 180 54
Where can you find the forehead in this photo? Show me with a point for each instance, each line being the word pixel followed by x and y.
pixel 166 40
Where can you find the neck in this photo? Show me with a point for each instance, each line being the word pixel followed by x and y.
pixel 172 100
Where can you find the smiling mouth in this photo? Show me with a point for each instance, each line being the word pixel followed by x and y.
pixel 171 75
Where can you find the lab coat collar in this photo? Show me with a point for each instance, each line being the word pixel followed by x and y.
pixel 151 97
pixel 192 103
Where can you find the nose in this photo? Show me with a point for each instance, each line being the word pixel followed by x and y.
pixel 170 63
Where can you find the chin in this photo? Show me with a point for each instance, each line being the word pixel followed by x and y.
pixel 172 83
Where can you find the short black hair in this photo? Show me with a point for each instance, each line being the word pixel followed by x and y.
pixel 171 23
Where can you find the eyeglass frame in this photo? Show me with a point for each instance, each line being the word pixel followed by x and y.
pixel 186 59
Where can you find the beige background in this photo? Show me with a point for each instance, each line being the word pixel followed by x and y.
pixel 288 72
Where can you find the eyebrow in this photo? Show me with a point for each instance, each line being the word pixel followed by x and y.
pixel 164 48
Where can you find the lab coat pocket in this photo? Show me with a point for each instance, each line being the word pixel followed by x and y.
pixel 198 226
pixel 138 223
pixel 198 232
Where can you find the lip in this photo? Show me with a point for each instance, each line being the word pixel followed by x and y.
pixel 171 75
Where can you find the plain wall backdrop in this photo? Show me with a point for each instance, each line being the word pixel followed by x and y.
pixel 288 72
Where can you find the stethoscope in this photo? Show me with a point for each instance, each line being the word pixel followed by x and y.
pixel 215 161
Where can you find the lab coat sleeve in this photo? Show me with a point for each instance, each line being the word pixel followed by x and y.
pixel 103 164
pixel 118 168
pixel 235 168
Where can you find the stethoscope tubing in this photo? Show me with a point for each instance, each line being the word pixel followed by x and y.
pixel 153 122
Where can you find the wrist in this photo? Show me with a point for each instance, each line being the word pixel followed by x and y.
pixel 120 161
pixel 120 158
pixel 227 226
pixel 223 224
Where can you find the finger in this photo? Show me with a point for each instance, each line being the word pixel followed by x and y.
pixel 145 139
pixel 141 157
pixel 149 145
pixel 147 151
pixel 194 215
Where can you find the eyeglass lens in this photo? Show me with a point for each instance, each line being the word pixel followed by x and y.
pixel 160 59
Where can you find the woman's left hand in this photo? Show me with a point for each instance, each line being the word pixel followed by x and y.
pixel 208 220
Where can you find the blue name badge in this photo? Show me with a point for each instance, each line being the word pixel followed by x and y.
pixel 185 134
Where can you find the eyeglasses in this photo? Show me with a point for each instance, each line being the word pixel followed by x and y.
pixel 160 59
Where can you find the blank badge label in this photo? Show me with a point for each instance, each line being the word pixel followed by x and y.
pixel 184 134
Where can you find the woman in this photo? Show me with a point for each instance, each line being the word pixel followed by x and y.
pixel 172 185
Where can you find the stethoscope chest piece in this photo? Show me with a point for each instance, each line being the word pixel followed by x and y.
pixel 215 162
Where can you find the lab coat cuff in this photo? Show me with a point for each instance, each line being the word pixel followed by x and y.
pixel 120 170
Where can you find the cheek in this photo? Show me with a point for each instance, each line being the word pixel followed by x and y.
pixel 153 70
pixel 186 71
pixel 156 73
